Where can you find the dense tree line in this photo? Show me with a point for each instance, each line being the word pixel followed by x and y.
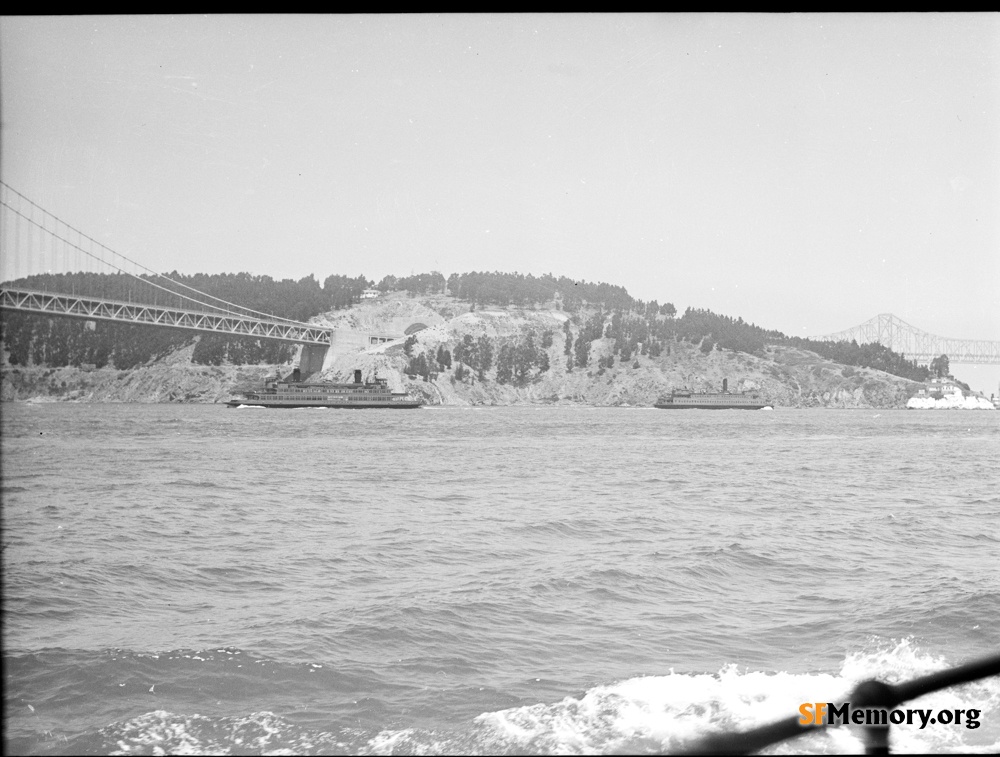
pixel 598 311
pixel 473 356
pixel 871 355
pixel 425 364
pixel 648 332
pixel 60 342
pixel 723 332
pixel 44 340
pixel 520 290
pixel 520 360
pixel 296 300
pixel 939 366
pixel 421 283
pixel 342 292
pixel 517 360
pixel 215 349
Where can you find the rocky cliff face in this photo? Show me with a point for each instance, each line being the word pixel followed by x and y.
pixel 172 379
pixel 785 376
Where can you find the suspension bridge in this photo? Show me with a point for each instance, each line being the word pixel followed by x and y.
pixel 35 241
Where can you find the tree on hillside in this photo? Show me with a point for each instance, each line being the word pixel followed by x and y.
pixel 421 283
pixel 543 361
pixel 342 292
pixel 484 348
pixel 939 366
pixel 443 357
pixel 505 364
pixel 465 351
pixel 581 350
pixel 525 359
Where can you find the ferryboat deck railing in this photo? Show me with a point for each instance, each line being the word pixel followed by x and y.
pixel 870 694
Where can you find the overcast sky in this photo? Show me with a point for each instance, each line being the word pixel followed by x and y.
pixel 803 172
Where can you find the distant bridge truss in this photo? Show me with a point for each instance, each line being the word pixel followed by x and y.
pixel 917 345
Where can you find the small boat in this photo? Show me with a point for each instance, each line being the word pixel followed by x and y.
pixel 685 399
pixel 291 392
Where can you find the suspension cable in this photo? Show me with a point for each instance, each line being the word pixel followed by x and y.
pixel 229 306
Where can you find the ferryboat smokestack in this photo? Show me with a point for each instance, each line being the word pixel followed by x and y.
pixel 357 375
pixel 725 385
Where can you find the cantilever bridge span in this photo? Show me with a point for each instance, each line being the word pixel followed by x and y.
pixel 915 344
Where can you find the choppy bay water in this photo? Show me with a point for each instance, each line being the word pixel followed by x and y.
pixel 492 580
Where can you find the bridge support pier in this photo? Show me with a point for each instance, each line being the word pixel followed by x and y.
pixel 311 359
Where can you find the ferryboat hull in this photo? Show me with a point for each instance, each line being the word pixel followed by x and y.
pixel 292 405
pixel 685 399
pixel 710 406
pixel 292 393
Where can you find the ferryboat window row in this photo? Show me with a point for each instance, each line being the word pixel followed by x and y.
pixel 299 390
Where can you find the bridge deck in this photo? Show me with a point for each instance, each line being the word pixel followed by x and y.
pixel 93 308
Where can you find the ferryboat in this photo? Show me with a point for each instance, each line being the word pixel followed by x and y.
pixel 724 400
pixel 292 392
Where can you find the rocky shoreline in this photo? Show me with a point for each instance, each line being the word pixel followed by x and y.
pixel 791 378
pixel 785 376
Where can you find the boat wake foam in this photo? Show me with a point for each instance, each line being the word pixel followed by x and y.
pixel 644 715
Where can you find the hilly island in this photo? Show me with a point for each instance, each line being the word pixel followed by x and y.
pixel 471 339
